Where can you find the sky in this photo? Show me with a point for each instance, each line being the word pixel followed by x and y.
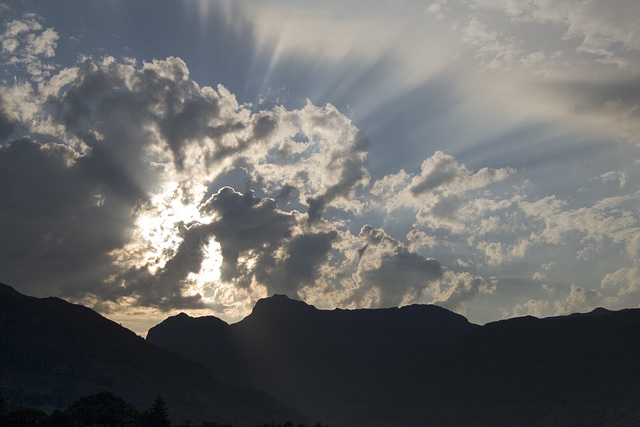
pixel 194 156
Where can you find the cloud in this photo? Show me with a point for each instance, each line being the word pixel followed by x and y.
pixel 418 239
pixel 582 300
pixel 317 151
pixel 532 307
pixel 27 44
pixel 438 193
pixel 164 289
pixel 7 125
pixel 626 281
pixel 441 172
pixel 576 60
pixel 56 235
pixel 389 272
pixel 438 172
pixel 250 232
pixel 167 193
pixel 597 25
pixel 492 252
pixel 98 162
pixel 615 176
pixel 455 289
pixel 125 156
pixel 493 48
pixel 605 221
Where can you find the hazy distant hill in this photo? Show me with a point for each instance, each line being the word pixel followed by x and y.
pixel 424 365
pixel 53 352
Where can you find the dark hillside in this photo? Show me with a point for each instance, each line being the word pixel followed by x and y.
pixel 53 352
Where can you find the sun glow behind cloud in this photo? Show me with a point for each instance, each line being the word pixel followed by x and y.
pixel 159 229
pixel 206 281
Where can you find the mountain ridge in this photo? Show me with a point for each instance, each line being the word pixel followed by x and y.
pixel 409 366
pixel 421 363
pixel 289 347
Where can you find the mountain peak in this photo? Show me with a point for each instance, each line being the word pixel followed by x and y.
pixel 280 305
pixel 279 298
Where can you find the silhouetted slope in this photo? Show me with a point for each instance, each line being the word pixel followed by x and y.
pixel 53 352
pixel 424 365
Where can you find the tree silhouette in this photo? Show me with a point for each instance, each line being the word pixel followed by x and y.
pixel 27 417
pixel 3 407
pixel 157 416
pixel 58 419
pixel 104 409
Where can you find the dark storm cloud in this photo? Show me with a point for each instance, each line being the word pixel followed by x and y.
pixel 123 105
pixel 457 289
pixel 352 172
pixel 57 223
pixel 254 228
pixel 164 288
pixel 245 223
pixel 286 192
pixel 305 255
pixel 7 125
pixel 387 266
pixel 105 166
pixel 111 119
pixel 67 205
pixel 121 134
pixel 188 122
pixel 78 105
pixel 263 126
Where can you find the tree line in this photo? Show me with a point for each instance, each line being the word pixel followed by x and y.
pixel 103 409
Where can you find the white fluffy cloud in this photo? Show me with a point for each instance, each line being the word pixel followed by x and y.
pixel 626 281
pixel 438 192
pixel 455 289
pixel 612 220
pixel 389 272
pixel 27 43
pixel 581 300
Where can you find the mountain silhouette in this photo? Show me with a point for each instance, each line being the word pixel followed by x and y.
pixel 423 365
pixel 338 365
pixel 53 352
